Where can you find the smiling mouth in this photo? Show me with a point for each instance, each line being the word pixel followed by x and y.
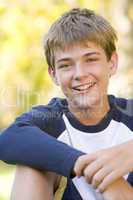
pixel 84 88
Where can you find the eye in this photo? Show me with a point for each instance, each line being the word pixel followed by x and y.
pixel 64 66
pixel 91 59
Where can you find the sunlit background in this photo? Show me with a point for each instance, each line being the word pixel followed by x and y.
pixel 24 80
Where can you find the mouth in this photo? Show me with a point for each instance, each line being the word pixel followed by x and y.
pixel 84 87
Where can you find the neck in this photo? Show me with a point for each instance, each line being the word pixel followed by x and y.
pixel 92 115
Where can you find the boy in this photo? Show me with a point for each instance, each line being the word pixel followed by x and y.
pixel 81 55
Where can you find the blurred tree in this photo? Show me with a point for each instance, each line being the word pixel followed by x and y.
pixel 121 12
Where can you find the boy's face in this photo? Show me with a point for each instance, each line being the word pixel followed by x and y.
pixel 83 72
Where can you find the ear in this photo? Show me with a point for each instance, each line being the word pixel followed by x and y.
pixel 52 74
pixel 113 64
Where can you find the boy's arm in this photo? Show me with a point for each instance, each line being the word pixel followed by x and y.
pixel 29 145
pixel 119 190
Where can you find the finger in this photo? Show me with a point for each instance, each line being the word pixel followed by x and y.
pixel 108 180
pixel 91 170
pixel 99 176
pixel 82 162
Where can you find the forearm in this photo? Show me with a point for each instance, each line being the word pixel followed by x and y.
pixel 120 189
pixel 28 145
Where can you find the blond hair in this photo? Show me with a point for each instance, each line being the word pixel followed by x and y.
pixel 79 25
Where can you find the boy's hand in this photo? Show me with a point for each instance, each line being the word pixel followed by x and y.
pixel 105 166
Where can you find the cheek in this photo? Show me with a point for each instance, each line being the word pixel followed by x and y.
pixel 63 81
pixel 103 72
pixel 102 76
pixel 64 78
pixel 104 82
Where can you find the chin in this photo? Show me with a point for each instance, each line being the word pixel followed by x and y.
pixel 86 103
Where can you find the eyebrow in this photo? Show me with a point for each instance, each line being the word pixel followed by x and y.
pixel 85 55
pixel 91 53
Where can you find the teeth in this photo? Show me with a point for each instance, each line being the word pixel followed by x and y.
pixel 84 87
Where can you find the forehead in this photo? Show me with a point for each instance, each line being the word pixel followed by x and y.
pixel 78 50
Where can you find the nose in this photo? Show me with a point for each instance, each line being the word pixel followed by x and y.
pixel 79 72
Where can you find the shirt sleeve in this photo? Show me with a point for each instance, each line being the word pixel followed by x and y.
pixel 25 143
